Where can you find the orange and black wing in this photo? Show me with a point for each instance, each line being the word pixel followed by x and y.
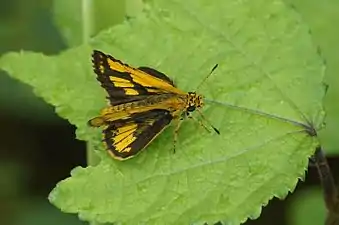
pixel 124 83
pixel 127 137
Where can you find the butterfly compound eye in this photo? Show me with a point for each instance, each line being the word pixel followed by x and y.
pixel 191 108
pixel 199 102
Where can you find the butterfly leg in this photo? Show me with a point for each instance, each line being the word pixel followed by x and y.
pixel 200 123
pixel 203 118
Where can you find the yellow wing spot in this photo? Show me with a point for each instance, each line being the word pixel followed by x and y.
pixel 145 80
pixel 130 91
pixel 126 149
pixel 122 145
pixel 122 136
pixel 117 66
pixel 152 90
pixel 120 82
pixel 102 68
pixel 126 128
pixel 123 84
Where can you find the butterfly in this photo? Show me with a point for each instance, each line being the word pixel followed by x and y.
pixel 142 103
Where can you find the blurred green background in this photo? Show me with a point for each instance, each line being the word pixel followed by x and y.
pixel 38 149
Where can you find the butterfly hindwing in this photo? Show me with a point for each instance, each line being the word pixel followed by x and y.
pixel 127 137
pixel 125 84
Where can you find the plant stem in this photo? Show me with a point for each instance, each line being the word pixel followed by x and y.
pixel 87 20
pixel 330 191
pixel 92 158
pixel 87 28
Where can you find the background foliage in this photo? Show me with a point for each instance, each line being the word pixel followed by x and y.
pixel 26 111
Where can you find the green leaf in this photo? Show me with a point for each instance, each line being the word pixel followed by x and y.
pixel 134 7
pixel 323 19
pixel 80 19
pixel 267 62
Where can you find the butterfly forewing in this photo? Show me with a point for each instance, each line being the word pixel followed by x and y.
pixel 124 83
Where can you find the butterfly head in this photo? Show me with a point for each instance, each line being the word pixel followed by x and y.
pixel 194 101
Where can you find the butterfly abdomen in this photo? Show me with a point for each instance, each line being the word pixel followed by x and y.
pixel 151 102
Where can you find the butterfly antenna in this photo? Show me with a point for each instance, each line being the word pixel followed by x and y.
pixel 208 122
pixel 208 75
